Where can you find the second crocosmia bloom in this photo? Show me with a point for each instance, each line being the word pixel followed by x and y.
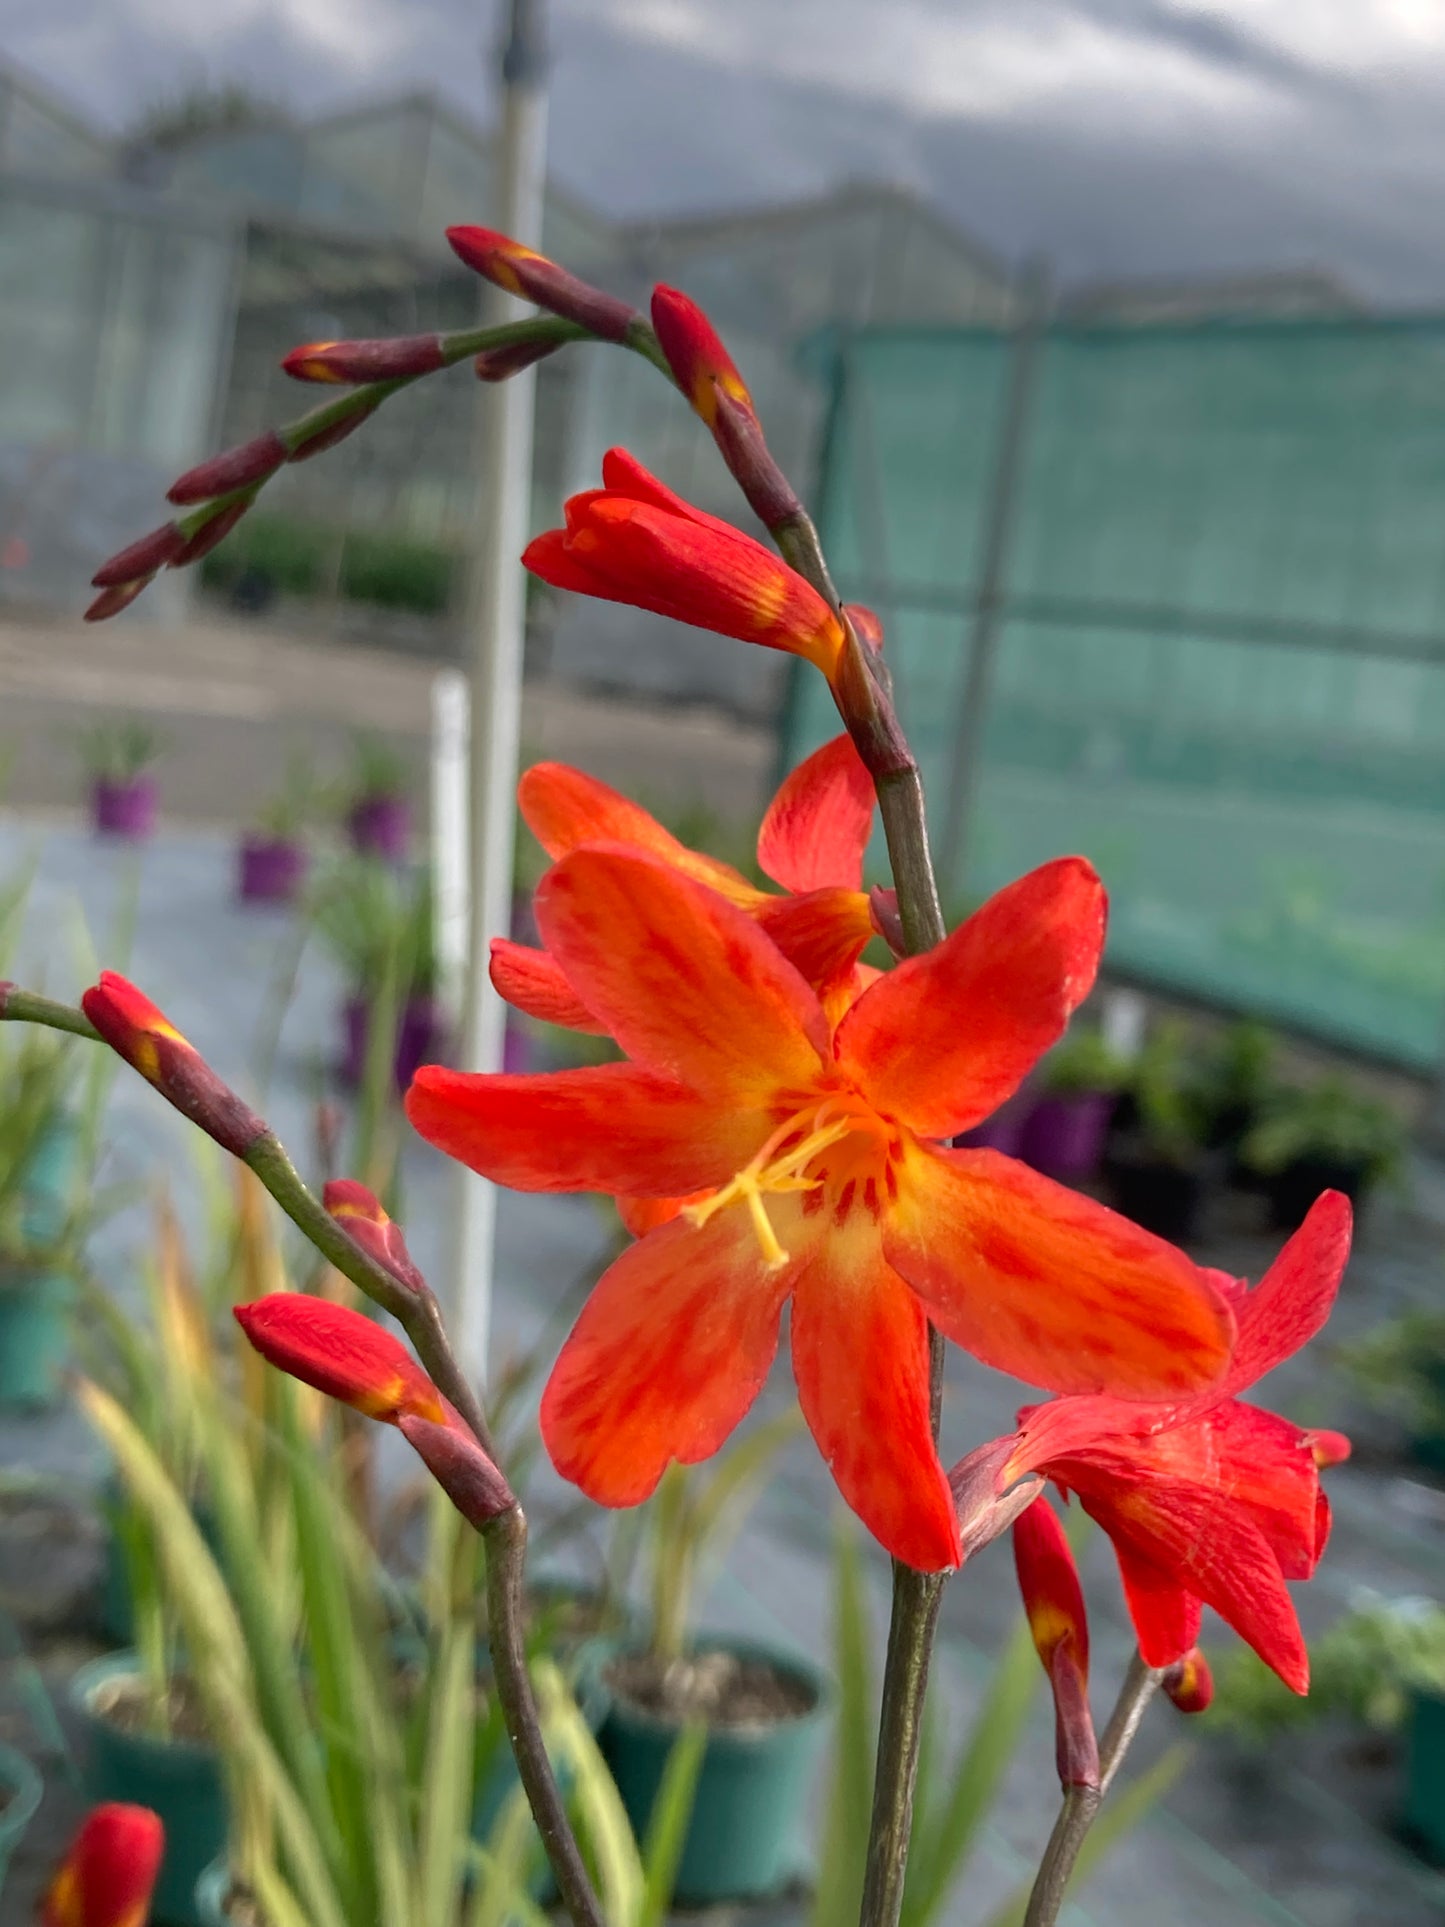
pixel 812 842
pixel 818 1144
pixel 634 541
pixel 108 1877
pixel 1206 1504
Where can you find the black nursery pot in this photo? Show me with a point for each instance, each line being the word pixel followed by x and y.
pixel 1292 1190
pixel 1164 1198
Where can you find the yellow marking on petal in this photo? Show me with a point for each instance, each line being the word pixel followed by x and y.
pixel 770 600
pixel 504 276
pixel 147 1059
pixel 733 385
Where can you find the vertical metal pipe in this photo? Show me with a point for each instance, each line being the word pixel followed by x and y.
pixel 496 612
pixel 985 624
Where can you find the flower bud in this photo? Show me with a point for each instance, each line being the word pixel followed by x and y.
pixel 703 367
pixel 143 557
pixel 361 361
pixel 1054 1602
pixel 210 535
pixel 342 1353
pixel 108 1877
pixel 460 1467
pixel 522 271
pixel 500 364
pixel 359 1213
pixel 251 462
pixel 148 1041
pixel 1189 1682
pixel 306 445
pixel 1328 1448
pixel 110 602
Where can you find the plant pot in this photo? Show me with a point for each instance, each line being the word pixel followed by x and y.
pixel 125 809
pixel 1293 1189
pixel 743 1838
pixel 420 1039
pixel 212 1890
pixel 1004 1130
pixel 1424 1812
pixel 117 1607
pixel 35 1299
pixel 270 869
pixel 380 826
pixel 179 1779
pixel 1163 1197
pixel 20 1789
pixel 1064 1136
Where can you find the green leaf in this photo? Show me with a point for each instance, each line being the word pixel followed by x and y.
pixel 944 1836
pixel 850 1797
pixel 668 1825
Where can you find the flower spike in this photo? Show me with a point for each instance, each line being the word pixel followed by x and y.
pixel 150 1043
pixel 1054 1602
pixel 109 1875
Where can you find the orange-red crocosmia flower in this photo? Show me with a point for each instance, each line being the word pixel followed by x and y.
pixel 1220 1503
pixel 634 541
pixel 812 842
pixel 342 1353
pixel 109 1875
pixel 817 1142
pixel 1054 1602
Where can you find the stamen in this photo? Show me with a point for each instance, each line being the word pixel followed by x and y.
pixel 772 1171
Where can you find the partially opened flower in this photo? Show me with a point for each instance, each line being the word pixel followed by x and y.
pixel 634 541
pixel 818 1146
pixel 349 1357
pixel 1210 1504
pixel 812 842
pixel 1054 1602
pixel 109 1875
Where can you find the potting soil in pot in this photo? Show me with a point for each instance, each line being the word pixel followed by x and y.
pixel 725 1689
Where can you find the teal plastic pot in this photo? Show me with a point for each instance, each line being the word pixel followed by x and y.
pixel 20 1786
pixel 35 1300
pixel 1425 1772
pixel 211 1891
pixel 117 1607
pixel 179 1779
pixel 744 1841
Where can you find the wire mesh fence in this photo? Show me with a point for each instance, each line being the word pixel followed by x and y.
pixel 1173 597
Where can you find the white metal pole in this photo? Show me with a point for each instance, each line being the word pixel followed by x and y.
pixel 497 612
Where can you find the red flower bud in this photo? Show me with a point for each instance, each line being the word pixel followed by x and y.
pixel 522 271
pixel 499 364
pixel 1328 1448
pixel 1189 1682
pixel 696 355
pixel 342 1353
pixel 1054 1601
pixel 141 560
pixel 305 446
pixel 252 461
pixel 460 1467
pixel 211 534
pixel 359 1213
pixel 148 1041
pixel 110 602
pixel 109 1875
pixel 361 361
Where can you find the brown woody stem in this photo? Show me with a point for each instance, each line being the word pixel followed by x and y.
pixel 1081 1804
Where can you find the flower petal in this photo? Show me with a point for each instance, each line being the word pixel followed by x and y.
pixel 816 830
pixel 670 1351
pixel 860 1357
pixel 686 983
pixel 820 934
pixel 947 1036
pixel 531 981
pixel 564 808
pixel 1166 1618
pixel 608 1127
pixel 1042 1282
pixel 1294 1298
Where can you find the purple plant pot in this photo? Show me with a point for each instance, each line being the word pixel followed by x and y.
pixel 125 809
pixel 381 826
pixel 420 1039
pixel 270 869
pixel 1004 1130
pixel 1064 1137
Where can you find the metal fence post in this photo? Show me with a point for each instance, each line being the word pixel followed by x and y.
pixel 1000 514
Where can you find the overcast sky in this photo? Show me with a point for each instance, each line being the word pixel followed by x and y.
pixel 1119 136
